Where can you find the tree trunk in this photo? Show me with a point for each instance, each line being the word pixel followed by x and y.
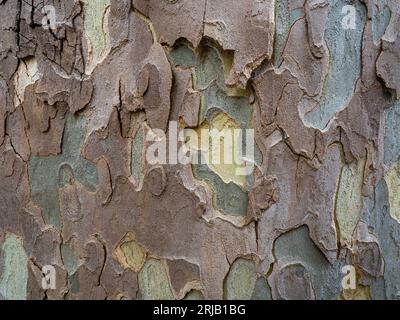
pixel 190 149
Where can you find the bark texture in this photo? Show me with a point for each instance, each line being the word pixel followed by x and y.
pixel 76 192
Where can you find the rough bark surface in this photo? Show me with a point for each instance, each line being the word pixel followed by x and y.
pixel 77 100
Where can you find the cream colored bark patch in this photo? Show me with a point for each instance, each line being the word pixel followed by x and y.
pixel 392 179
pixel 26 74
pixel 95 26
pixel 130 254
pixel 360 293
pixel 219 149
pixel 349 204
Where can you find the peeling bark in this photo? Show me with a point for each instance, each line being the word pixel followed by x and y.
pixel 81 90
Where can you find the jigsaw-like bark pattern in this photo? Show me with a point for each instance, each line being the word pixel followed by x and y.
pixel 76 192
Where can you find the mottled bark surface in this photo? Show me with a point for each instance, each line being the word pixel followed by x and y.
pixel 76 192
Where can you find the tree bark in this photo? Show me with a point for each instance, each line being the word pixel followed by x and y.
pixel 92 91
